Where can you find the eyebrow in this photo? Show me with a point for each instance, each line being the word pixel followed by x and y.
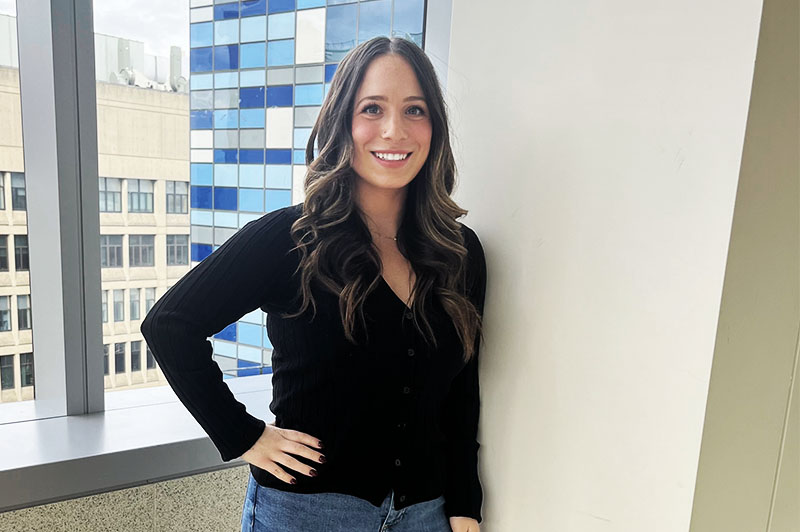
pixel 383 98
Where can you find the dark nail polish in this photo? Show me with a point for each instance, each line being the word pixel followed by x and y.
pixel 313 473
pixel 293 481
pixel 322 459
pixel 319 444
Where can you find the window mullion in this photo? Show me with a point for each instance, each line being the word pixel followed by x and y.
pixel 57 86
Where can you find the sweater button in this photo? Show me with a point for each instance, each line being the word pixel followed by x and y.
pixel 411 352
pixel 402 498
pixel 406 390
pixel 397 462
pixel 408 315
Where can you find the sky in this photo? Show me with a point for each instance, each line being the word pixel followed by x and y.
pixel 158 23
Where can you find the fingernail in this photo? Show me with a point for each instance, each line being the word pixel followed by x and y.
pixel 293 481
pixel 319 444
pixel 313 473
pixel 322 459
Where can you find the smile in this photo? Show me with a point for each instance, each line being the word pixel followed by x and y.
pixel 386 156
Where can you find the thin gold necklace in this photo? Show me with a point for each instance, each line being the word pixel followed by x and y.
pixel 376 231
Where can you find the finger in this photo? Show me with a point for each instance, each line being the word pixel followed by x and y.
pixel 301 450
pixel 302 437
pixel 295 464
pixel 278 471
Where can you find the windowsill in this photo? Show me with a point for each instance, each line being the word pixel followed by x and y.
pixel 144 436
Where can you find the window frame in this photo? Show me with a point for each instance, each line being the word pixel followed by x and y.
pixel 56 56
pixel 19 200
pixel 4 265
pixel 137 250
pixel 138 197
pixel 177 202
pixel 7 312
pixel 177 252
pixel 114 195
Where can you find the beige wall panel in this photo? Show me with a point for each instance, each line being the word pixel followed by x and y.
pixel 756 343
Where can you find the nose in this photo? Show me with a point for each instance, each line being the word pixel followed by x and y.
pixel 393 127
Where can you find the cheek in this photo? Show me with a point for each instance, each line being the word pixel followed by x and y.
pixel 362 133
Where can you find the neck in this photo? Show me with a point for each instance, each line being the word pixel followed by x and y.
pixel 383 207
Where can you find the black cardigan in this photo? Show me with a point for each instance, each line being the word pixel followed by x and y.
pixel 393 412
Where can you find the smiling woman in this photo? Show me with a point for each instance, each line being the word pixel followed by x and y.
pixel 374 294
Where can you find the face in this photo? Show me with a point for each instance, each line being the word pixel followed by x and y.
pixel 391 127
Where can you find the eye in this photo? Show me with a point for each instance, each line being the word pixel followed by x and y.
pixel 371 109
pixel 416 110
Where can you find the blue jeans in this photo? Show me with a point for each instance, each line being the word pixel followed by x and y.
pixel 272 510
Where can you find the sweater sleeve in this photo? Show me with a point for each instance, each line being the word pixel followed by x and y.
pixel 463 492
pixel 240 276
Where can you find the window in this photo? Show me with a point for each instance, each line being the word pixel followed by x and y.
pixel 104 306
pixel 2 191
pixel 26 369
pixel 18 202
pixel 7 372
pixel 149 299
pixel 177 249
pixel 119 305
pixel 151 360
pixel 140 195
pixel 5 313
pixel 119 358
pixel 3 250
pixel 111 251
pixel 24 312
pixel 135 294
pixel 110 194
pixel 177 197
pixel 105 359
pixel 136 355
pixel 21 252
pixel 141 250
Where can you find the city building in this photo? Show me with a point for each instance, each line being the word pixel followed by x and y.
pixel 259 73
pixel 143 156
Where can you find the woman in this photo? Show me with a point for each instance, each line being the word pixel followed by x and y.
pixel 373 293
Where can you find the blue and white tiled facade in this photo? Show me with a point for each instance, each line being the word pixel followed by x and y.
pixel 259 72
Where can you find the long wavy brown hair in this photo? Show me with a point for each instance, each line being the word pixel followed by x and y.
pixel 335 245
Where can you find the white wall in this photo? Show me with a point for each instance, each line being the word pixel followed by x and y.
pixel 599 146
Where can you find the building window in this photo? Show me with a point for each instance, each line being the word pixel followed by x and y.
pixel 149 299
pixel 111 251
pixel 5 313
pixel 119 358
pixel 105 359
pixel 3 252
pixel 7 372
pixel 18 202
pixel 21 261
pixel 26 369
pixel 2 190
pixel 135 294
pixel 119 305
pixel 141 250
pixel 177 249
pixel 151 360
pixel 136 355
pixel 24 312
pixel 104 306
pixel 177 197
pixel 140 195
pixel 110 194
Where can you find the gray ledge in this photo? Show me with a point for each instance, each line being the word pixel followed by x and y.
pixel 143 436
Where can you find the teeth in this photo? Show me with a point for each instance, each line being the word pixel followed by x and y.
pixel 391 156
